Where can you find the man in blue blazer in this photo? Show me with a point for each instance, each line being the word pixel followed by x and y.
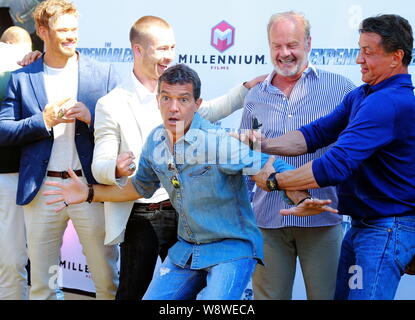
pixel 49 111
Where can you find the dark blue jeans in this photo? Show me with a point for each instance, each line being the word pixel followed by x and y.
pixel 148 234
pixel 373 258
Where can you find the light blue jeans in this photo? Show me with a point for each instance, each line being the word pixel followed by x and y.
pixel 224 281
pixel 373 258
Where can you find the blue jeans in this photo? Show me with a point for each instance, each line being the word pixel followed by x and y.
pixel 224 281
pixel 373 258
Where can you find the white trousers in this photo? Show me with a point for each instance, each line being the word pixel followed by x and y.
pixel 13 253
pixel 45 229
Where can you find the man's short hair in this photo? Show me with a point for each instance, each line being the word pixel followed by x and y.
pixel 181 74
pixel 16 35
pixel 48 11
pixel 290 15
pixel 139 30
pixel 395 31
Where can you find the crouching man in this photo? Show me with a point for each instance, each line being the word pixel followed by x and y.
pixel 202 168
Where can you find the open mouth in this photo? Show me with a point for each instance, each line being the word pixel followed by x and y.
pixel 173 120
pixel 364 70
pixel 163 67
pixel 289 61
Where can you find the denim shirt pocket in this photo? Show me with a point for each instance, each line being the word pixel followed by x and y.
pixel 201 171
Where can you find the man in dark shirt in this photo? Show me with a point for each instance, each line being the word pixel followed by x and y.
pixel 372 162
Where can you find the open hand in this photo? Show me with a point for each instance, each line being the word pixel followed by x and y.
pixel 70 193
pixel 29 58
pixel 252 83
pixel 309 207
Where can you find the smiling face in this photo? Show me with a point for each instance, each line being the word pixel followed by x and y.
pixel 61 37
pixel 177 107
pixel 376 65
pixel 157 53
pixel 289 47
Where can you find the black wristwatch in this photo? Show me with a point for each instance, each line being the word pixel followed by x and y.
pixel 272 183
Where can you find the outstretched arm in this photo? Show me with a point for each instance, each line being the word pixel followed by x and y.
pixel 290 144
pixel 306 206
pixel 77 191
pixel 223 106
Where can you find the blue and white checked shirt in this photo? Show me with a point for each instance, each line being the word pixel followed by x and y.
pixel 315 94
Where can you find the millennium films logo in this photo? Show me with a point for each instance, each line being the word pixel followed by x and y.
pixel 222 36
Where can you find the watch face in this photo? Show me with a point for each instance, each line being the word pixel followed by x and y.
pixel 271 184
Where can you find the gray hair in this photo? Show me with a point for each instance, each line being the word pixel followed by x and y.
pixel 290 15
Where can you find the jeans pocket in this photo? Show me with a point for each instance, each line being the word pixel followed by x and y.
pixel 404 245
pixel 377 226
pixel 407 224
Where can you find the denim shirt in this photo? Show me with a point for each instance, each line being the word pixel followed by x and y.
pixel 204 180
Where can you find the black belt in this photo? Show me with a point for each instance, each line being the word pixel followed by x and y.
pixel 166 205
pixel 63 174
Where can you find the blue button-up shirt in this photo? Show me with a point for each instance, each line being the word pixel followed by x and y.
pixel 315 94
pixel 203 177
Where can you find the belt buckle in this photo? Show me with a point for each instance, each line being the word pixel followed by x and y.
pixel 64 175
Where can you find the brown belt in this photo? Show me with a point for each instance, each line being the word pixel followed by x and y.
pixel 63 174
pixel 166 205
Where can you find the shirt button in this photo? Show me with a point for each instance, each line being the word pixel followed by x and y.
pixel 290 116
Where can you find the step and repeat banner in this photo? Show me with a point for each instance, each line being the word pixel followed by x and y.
pixel 225 41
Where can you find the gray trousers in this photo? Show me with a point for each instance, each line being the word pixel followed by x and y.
pixel 318 251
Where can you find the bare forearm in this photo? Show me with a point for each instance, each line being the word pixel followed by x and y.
pixel 104 193
pixel 299 179
pixel 290 144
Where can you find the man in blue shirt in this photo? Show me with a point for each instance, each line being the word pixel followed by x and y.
pixel 201 168
pixel 372 163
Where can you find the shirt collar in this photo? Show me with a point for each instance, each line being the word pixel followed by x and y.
pixel 196 124
pixel 142 91
pixel 398 80
pixel 311 70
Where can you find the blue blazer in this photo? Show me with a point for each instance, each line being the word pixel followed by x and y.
pixel 21 120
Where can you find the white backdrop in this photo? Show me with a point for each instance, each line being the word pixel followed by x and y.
pixel 104 35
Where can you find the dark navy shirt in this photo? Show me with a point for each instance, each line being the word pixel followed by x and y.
pixel 373 160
